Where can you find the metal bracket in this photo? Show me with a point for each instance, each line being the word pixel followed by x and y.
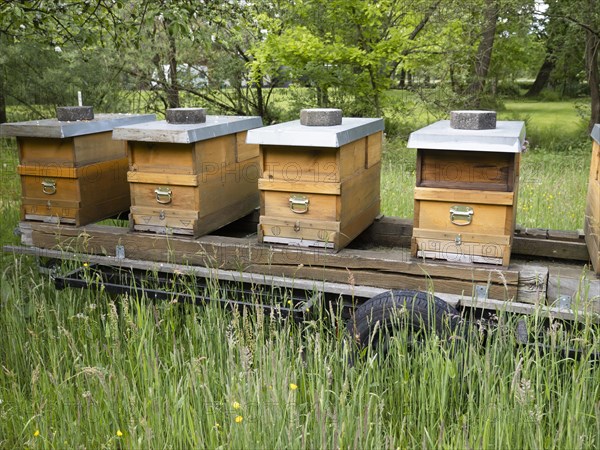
pixel 564 301
pixel 120 252
pixel 481 291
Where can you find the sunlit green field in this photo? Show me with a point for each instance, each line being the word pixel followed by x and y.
pixel 82 369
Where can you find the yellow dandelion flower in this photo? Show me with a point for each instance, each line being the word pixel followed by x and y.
pixel 36 433
pixel 239 419
pixel 85 264
pixel 236 405
pixel 289 302
pixel 119 433
pixel 293 386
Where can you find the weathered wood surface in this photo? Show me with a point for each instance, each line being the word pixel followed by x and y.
pixel 391 268
pixel 357 292
pixel 592 210
pixel 366 263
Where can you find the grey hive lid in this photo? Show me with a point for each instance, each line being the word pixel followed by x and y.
pixel 161 131
pixel 53 128
pixel 507 137
pixel 596 133
pixel 297 135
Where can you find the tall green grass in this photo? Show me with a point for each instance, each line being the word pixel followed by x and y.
pixel 82 369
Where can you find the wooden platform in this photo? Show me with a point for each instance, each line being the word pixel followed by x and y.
pixel 380 258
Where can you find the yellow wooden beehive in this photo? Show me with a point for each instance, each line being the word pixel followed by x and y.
pixel 466 187
pixel 320 178
pixel 72 171
pixel 191 174
pixel 592 211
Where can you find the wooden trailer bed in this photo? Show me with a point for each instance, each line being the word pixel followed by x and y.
pixel 548 273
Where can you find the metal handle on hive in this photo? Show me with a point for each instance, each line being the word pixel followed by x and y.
pixel 299 204
pixel 461 215
pixel 49 187
pixel 163 195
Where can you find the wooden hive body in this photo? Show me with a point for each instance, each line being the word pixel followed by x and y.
pixel 465 199
pixel 315 191
pixel 191 179
pixel 72 172
pixel 592 212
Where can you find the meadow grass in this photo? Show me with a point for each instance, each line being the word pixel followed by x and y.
pixel 84 369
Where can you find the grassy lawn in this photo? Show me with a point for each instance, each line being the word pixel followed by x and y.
pixel 83 369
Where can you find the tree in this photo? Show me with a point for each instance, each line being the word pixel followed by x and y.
pixel 349 65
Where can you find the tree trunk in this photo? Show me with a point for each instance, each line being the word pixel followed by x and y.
pixel 402 82
pixel 3 118
pixel 592 46
pixel 542 78
pixel 173 86
pixel 484 53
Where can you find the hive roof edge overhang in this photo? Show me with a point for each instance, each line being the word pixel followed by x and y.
pixel 596 133
pixel 507 137
pixel 294 134
pixel 53 128
pixel 161 131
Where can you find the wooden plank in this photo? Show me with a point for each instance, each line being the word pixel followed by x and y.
pixel 162 179
pixel 243 151
pixel 159 157
pixel 463 196
pixel 466 170
pixel 360 193
pixel 299 164
pixel 46 151
pixel 592 239
pixel 352 158
pixel 533 282
pixel 238 253
pixel 219 151
pixel 299 186
pixel 97 147
pixel 595 162
pixel 548 248
pixel 370 278
pixel 486 219
pixel 47 171
pixel 320 206
pixel 364 292
pixel 374 146
pixel 468 254
pixel 182 197
pixel 466 237
pixel 581 285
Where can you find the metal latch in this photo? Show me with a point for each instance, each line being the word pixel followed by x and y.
pixel 461 215
pixel 49 186
pixel 163 195
pixel 299 204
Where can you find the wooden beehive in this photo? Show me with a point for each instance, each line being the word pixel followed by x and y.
pixel 466 190
pixel 319 185
pixel 592 211
pixel 72 172
pixel 191 178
